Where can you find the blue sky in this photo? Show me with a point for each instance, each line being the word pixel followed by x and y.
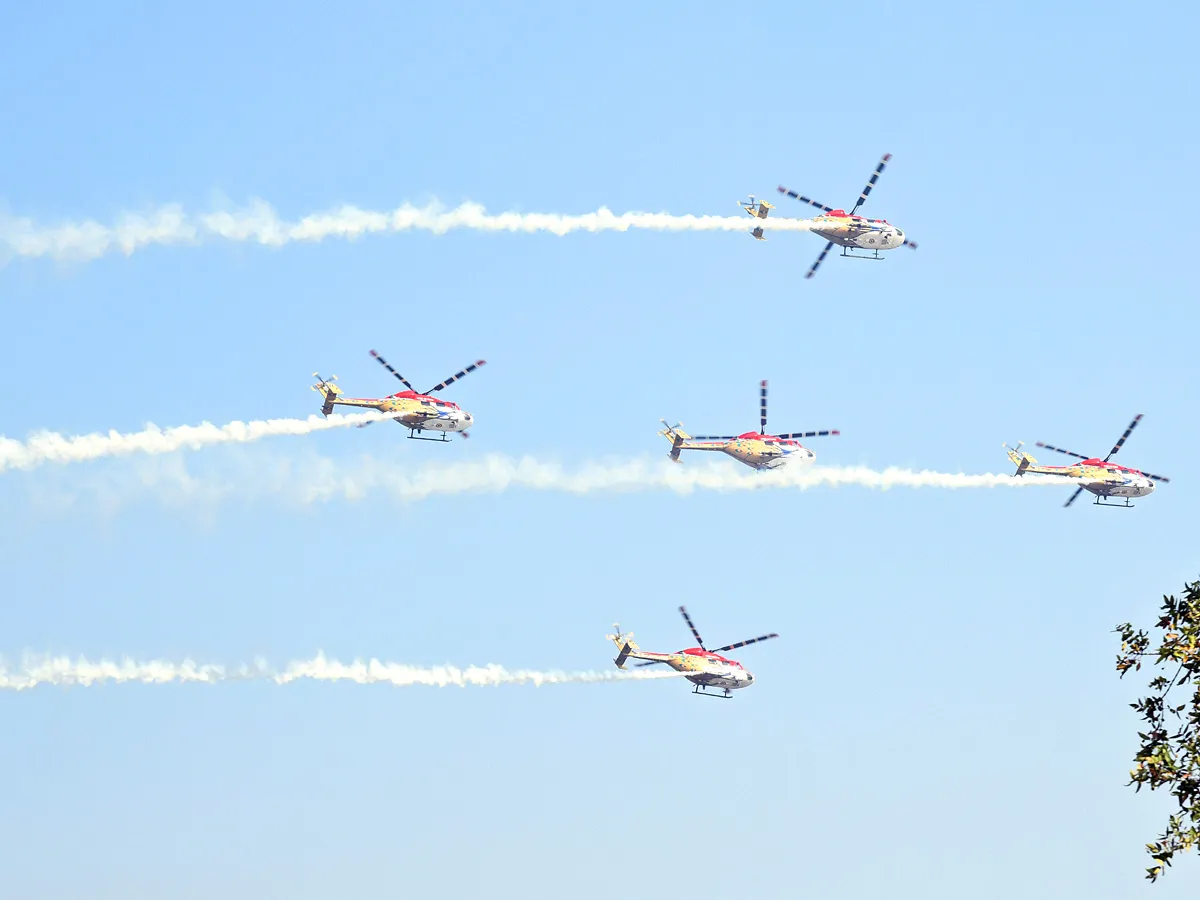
pixel 940 717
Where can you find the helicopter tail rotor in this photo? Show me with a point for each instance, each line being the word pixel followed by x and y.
pixel 1021 460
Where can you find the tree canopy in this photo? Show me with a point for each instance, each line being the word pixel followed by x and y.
pixel 1169 755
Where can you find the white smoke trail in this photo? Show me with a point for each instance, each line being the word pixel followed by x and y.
pixel 259 223
pixel 325 481
pixel 50 447
pixel 34 671
pixel 306 482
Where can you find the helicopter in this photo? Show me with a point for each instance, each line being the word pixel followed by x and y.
pixel 417 412
pixel 706 669
pixel 852 232
pixel 1099 476
pixel 756 449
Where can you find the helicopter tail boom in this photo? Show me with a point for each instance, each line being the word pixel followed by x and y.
pixel 630 650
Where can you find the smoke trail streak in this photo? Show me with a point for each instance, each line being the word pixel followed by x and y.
pixel 259 223
pixel 325 481
pixel 50 447
pixel 312 481
pixel 34 671
pixel 493 474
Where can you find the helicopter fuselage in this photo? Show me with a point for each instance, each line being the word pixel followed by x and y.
pixel 758 451
pixel 704 668
pixel 857 231
pixel 1102 479
pixel 765 452
pixel 420 411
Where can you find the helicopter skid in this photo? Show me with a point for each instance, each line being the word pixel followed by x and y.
pixel 1125 505
pixel 703 691
pixel 412 436
pixel 866 254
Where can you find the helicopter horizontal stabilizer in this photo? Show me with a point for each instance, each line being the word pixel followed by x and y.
pixel 328 391
pixel 622 656
pixel 676 436
pixel 1022 460
pixel 627 647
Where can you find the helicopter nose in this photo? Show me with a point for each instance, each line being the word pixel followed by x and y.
pixel 800 456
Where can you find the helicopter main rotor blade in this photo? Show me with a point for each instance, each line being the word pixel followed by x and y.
pixel 383 362
pixel 1061 450
pixel 762 408
pixel 820 259
pixel 715 437
pixel 1078 491
pixel 796 435
pixel 1117 445
pixel 765 637
pixel 457 375
pixel 695 633
pixel 1156 477
pixel 809 200
pixel 653 662
pixel 862 198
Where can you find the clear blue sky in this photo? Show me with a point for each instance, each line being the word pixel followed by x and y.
pixel 940 718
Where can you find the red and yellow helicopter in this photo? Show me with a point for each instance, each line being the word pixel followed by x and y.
pixel 416 412
pixel 756 449
pixel 706 669
pixel 1103 478
pixel 850 231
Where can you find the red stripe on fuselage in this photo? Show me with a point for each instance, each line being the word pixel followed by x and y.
pixel 413 395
